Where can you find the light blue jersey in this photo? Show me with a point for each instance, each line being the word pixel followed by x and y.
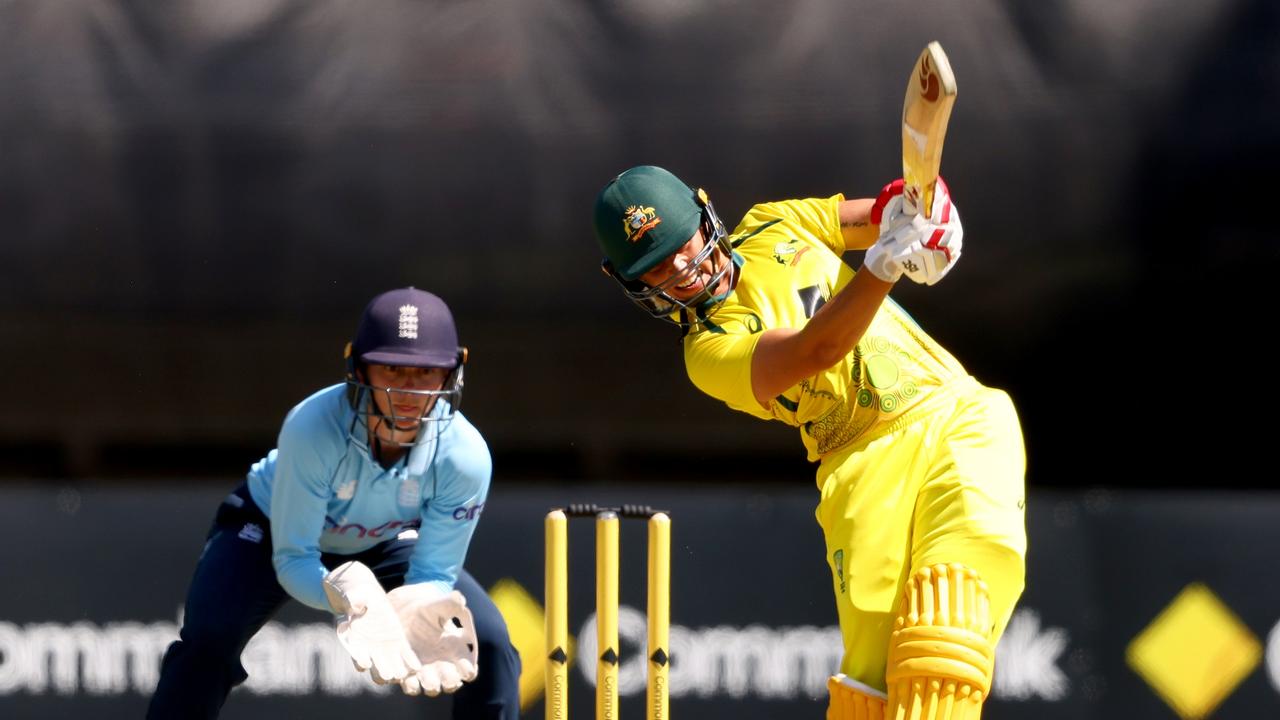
pixel 324 492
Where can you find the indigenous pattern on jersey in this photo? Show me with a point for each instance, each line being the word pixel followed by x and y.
pixel 789 261
pixel 324 492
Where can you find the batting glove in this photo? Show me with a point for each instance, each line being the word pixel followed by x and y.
pixel 442 633
pixel 924 249
pixel 367 624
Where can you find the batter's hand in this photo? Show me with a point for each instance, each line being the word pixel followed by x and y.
pixel 367 624
pixel 924 249
pixel 442 634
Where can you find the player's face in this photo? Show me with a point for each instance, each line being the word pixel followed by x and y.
pixel 681 277
pixel 406 407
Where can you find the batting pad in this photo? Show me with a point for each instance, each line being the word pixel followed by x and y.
pixel 851 700
pixel 940 653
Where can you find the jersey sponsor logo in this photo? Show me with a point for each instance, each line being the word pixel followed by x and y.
pixel 334 527
pixel 468 512
pixel 639 220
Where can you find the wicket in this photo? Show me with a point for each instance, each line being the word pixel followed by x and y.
pixel 557 601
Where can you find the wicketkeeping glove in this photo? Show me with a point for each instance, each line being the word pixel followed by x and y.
pixel 368 627
pixel 442 633
pixel 924 249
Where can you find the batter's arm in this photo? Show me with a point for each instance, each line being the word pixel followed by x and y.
pixel 785 356
pixel 855 224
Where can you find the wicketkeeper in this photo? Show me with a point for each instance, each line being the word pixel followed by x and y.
pixel 920 467
pixel 365 509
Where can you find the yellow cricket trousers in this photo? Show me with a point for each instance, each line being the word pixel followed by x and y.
pixel 944 487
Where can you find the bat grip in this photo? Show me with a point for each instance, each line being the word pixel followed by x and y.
pixel 913 198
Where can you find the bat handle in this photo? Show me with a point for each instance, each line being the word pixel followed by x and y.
pixel 914 198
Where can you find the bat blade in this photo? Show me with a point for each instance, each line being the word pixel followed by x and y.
pixel 926 108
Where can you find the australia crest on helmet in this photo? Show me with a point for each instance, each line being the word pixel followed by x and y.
pixel 638 220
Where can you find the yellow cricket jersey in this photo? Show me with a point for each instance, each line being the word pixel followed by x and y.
pixel 789 256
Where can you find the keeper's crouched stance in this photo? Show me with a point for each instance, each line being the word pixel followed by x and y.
pixel 365 509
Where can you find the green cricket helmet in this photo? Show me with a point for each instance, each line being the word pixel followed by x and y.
pixel 642 217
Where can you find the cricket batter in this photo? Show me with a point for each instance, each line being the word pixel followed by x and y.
pixel 920 467
pixel 365 509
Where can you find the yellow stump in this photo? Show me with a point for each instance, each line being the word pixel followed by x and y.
pixel 607 615
pixel 656 694
pixel 556 598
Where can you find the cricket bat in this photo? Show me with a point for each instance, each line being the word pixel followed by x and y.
pixel 931 92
